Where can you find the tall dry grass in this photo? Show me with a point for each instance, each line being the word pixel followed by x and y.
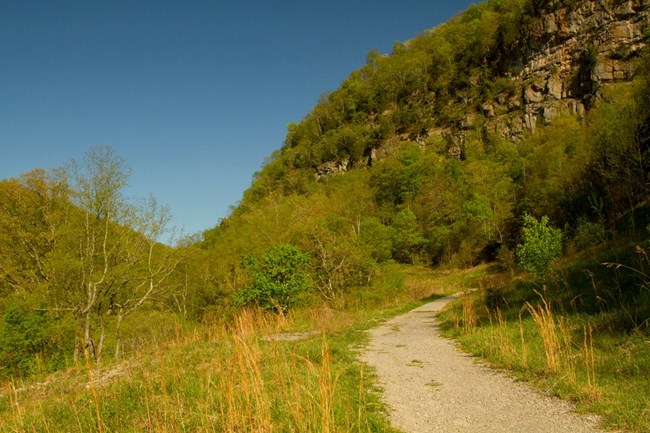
pixel 218 378
pixel 545 321
pixel 469 312
pixel 562 352
pixel 589 357
pixel 567 347
pixel 590 352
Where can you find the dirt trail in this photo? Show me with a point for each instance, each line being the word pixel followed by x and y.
pixel 430 386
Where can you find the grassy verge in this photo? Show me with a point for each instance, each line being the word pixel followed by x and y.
pixel 260 373
pixel 562 342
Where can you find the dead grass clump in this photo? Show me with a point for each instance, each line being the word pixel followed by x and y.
pixel 469 312
pixel 546 325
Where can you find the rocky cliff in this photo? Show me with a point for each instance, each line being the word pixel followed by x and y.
pixel 563 56
pixel 570 55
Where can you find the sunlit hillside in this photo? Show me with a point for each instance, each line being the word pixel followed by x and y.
pixel 506 150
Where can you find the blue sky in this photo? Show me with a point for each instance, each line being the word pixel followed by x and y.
pixel 194 94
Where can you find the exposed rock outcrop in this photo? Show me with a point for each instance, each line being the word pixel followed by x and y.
pixel 332 167
pixel 569 56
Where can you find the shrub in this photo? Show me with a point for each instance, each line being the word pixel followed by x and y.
pixel 589 233
pixel 30 336
pixel 277 279
pixel 542 244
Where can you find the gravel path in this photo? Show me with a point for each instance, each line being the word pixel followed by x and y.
pixel 430 386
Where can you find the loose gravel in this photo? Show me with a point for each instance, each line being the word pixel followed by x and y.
pixel 431 386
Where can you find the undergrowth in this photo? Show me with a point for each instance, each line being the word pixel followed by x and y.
pixel 260 372
pixel 582 336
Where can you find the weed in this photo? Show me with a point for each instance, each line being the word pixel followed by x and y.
pixel 590 357
pixel 469 313
pixel 524 350
pixel 15 405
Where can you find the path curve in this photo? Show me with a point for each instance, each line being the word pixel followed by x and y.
pixel 431 386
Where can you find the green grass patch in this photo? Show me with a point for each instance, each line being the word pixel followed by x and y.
pixel 230 377
pixel 579 337
pixel 218 380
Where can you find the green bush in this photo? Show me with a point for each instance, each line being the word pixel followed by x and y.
pixel 31 340
pixel 589 233
pixel 278 279
pixel 542 244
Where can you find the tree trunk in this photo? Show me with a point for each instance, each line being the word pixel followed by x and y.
pixel 100 345
pixel 118 334
pixel 88 341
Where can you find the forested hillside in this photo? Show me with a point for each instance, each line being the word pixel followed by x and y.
pixel 515 114
pixel 435 153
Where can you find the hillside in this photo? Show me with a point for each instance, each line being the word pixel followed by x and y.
pixel 506 150
pixel 434 153
pixel 516 134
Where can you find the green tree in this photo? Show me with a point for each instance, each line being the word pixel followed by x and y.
pixel 277 280
pixel 398 180
pixel 97 191
pixel 111 258
pixel 407 239
pixel 33 209
pixel 146 266
pixel 619 132
pixel 31 337
pixel 23 335
pixel 542 244
pixel 378 238
pixel 340 262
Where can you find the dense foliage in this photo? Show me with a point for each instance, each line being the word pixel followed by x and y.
pixel 400 163
pixel 278 279
pixel 425 177
pixel 542 244
pixel 76 260
pixel 403 162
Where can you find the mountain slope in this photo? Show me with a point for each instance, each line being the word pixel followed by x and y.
pixel 513 107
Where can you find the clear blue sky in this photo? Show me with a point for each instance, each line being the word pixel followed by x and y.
pixel 194 94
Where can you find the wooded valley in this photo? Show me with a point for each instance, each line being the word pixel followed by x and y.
pixel 454 150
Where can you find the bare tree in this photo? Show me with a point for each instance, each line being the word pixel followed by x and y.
pixel 97 191
pixel 152 263
pixel 121 263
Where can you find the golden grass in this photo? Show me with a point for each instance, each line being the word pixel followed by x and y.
pixel 561 351
pixel 469 312
pixel 546 325
pixel 225 378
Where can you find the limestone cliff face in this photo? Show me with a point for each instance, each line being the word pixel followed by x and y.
pixel 563 63
pixel 569 56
